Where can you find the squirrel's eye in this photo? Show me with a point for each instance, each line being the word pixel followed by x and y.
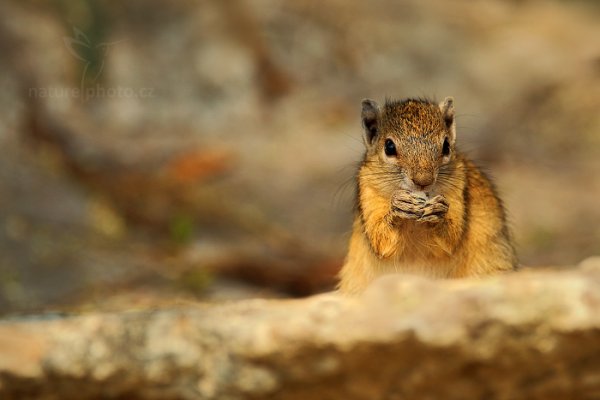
pixel 446 147
pixel 390 148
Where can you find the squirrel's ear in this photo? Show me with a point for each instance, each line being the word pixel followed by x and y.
pixel 370 120
pixel 447 108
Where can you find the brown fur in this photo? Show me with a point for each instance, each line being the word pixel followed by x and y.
pixel 454 227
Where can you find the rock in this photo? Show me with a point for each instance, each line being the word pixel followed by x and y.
pixel 527 335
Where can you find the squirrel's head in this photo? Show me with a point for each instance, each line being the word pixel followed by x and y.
pixel 409 142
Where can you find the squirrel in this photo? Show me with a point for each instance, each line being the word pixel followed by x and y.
pixel 422 206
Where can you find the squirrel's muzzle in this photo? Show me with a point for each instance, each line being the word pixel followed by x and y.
pixel 422 179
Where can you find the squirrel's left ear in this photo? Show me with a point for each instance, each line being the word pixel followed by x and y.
pixel 447 108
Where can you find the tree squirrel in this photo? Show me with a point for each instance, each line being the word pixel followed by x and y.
pixel 422 206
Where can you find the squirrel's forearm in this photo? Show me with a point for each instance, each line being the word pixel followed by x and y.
pixel 377 223
pixel 382 235
pixel 449 232
pixel 447 236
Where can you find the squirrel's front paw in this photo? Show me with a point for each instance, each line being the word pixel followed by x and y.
pixel 434 209
pixel 407 205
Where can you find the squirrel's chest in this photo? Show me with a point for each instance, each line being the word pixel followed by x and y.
pixel 418 254
pixel 419 244
pixel 429 269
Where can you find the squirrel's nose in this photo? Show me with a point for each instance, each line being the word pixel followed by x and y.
pixel 422 179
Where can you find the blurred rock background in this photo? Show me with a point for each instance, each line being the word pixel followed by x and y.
pixel 155 153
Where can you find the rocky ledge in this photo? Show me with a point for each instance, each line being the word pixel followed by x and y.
pixel 528 335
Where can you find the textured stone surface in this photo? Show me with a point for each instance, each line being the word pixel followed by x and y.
pixel 529 335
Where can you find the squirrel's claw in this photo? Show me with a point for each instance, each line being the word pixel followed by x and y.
pixel 434 210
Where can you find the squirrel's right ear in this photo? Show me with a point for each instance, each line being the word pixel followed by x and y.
pixel 370 120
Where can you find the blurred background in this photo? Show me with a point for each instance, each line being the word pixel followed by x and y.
pixel 155 153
